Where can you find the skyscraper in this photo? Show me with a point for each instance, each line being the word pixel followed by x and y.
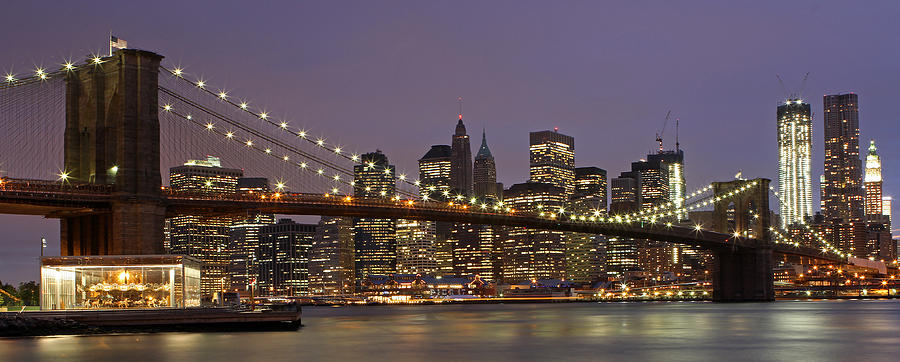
pixel 553 160
pixel 243 248
pixel 843 198
pixel 244 241
pixel 331 257
pixel 461 161
pixel 584 252
pixel 203 237
pixel 415 247
pixel 673 162
pixel 623 193
pixel 284 258
pixel 485 172
pixel 794 147
pixel 653 181
pixel 529 253
pixel 590 189
pixel 374 239
pixel 434 172
pixel 873 183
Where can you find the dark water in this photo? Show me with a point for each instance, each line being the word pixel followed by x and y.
pixel 809 331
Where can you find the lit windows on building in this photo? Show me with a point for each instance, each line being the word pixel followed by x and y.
pixel 873 183
pixel 584 257
pixel 794 152
pixel 331 257
pixel 485 173
pixel 244 235
pixel 284 258
pixel 415 247
pixel 590 189
pixel 204 237
pixel 623 193
pixel 621 256
pixel 553 160
pixel 653 182
pixel 434 172
pixel 375 240
pixel 842 196
pixel 529 253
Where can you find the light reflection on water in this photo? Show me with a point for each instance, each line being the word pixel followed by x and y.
pixel 820 330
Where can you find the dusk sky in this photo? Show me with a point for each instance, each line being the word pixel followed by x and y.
pixel 386 75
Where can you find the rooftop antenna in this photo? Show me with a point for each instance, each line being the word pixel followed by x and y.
pixel 460 107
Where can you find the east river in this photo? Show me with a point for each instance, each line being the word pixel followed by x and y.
pixel 847 330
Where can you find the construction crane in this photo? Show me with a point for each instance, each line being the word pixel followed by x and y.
pixel 793 95
pixel 663 130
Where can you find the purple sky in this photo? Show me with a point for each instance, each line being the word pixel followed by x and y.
pixel 387 74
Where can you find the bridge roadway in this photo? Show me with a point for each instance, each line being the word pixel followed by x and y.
pixel 53 199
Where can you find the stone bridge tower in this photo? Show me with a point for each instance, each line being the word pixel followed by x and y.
pixel 743 274
pixel 112 138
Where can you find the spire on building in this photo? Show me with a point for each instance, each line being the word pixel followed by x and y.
pixel 484 151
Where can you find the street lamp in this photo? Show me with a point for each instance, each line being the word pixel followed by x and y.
pixel 43 245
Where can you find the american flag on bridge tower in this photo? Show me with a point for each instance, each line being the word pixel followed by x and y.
pixel 116 43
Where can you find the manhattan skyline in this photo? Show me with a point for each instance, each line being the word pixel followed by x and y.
pixel 391 79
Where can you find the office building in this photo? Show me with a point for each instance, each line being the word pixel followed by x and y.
pixel 553 160
pixel 374 239
pixel 485 173
pixel 284 258
pixel 530 253
pixel 652 182
pixel 331 257
pixel 673 162
pixel 243 249
pixel 461 161
pixel 842 195
pixel 590 190
pixel 434 175
pixel 585 254
pixel 794 152
pixel 204 237
pixel 415 247
pixel 873 184
pixel 623 193
pixel 434 172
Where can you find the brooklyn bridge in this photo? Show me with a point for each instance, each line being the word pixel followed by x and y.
pixel 98 172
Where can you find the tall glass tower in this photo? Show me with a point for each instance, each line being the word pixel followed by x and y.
pixel 553 159
pixel 842 195
pixel 794 150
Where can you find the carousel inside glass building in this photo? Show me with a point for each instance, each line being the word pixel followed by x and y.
pixel 119 282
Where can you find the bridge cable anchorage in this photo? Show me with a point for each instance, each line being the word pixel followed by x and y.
pixel 243 106
pixel 827 246
pixel 304 167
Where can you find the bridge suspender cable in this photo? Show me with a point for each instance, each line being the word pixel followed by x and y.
pixel 284 126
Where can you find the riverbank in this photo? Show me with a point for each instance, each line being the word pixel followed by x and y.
pixel 41 323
